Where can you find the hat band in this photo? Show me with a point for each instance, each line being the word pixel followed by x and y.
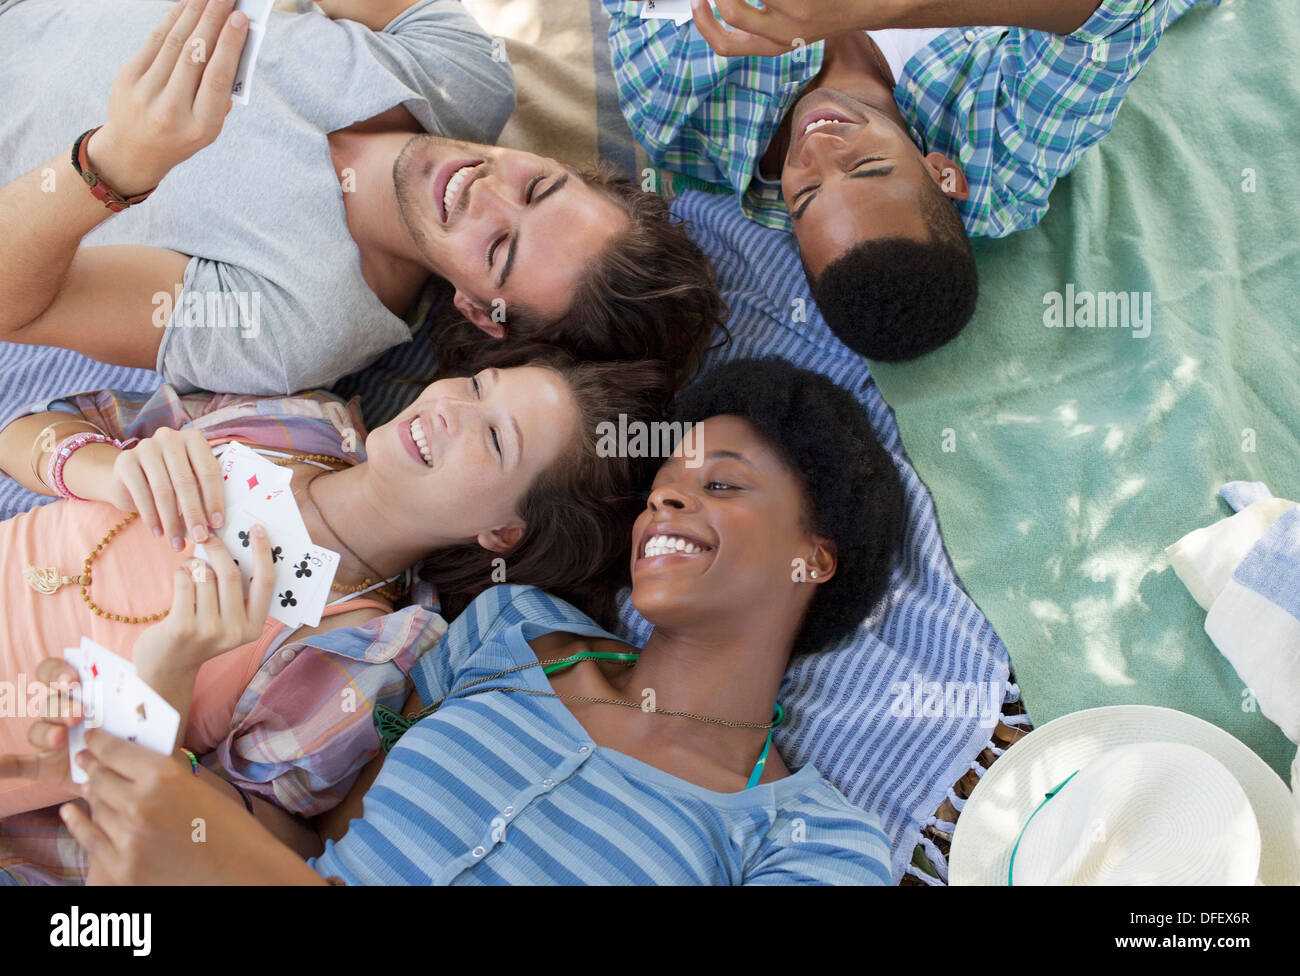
pixel 1011 868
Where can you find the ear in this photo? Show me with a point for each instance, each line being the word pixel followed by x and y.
pixel 823 561
pixel 501 539
pixel 478 315
pixel 948 175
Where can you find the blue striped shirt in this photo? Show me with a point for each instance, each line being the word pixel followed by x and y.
pixel 508 788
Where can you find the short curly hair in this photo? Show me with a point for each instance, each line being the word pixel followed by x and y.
pixel 896 298
pixel 853 493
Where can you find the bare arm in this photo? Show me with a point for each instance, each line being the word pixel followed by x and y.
pixel 168 102
pixel 1053 16
pixel 775 29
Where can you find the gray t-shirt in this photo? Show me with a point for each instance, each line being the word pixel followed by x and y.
pixel 275 301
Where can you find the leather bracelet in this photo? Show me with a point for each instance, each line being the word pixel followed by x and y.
pixel 100 190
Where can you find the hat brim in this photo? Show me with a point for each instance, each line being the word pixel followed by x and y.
pixel 1007 794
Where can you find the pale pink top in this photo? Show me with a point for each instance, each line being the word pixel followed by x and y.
pixel 132 577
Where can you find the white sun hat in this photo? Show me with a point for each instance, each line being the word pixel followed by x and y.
pixel 1139 795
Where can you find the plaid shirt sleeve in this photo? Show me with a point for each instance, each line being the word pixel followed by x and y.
pixel 1018 108
pixel 700 114
pixel 304 728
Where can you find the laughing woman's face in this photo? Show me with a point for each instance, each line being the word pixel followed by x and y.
pixel 726 540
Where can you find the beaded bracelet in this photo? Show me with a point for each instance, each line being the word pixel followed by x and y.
pixel 64 450
pixel 194 760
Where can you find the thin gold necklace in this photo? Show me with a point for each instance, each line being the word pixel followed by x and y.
pixel 365 583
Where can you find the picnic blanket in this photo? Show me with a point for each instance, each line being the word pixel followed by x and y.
pixel 1064 459
pixel 893 716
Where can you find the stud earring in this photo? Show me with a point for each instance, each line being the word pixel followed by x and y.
pixel 813 574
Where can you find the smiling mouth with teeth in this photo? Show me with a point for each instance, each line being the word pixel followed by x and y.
pixel 663 545
pixel 455 185
pixel 818 123
pixel 421 441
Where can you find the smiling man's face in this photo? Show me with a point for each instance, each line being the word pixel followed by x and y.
pixel 501 224
pixel 852 175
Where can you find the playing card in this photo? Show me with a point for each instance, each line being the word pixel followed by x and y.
pixel 308 590
pixel 256 490
pixel 113 697
pixel 258 13
pixel 678 11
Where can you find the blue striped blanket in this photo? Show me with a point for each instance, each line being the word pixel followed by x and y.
pixel 892 716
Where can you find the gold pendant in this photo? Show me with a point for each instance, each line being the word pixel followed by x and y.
pixel 47 579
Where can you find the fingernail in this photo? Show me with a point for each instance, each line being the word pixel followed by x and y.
pixel 198 533
pixel 238 19
pixel 65 811
pixel 218 520
pixel 258 531
pixel 157 531
pixel 178 543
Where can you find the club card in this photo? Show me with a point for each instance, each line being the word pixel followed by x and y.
pixel 113 697
pixel 678 11
pixel 256 490
pixel 258 13
pixel 308 590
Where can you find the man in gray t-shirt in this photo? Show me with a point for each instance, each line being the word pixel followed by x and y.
pixel 285 238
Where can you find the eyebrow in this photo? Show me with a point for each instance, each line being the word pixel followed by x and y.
pixel 858 174
pixel 732 454
pixel 514 239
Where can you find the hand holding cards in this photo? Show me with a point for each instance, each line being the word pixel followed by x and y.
pixel 113 697
pixel 257 491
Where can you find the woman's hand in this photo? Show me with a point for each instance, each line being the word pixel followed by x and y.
pixel 171 98
pixel 59 712
pixel 154 822
pixel 209 613
pixel 173 481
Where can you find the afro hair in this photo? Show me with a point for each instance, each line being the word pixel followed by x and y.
pixel 853 492
pixel 895 298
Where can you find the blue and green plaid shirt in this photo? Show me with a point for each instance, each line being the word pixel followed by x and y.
pixel 1016 108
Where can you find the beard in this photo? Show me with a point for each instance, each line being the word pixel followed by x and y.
pixel 411 171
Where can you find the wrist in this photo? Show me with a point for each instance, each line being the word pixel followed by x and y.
pixel 88 473
pixel 116 166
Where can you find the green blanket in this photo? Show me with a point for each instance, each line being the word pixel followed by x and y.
pixel 1063 460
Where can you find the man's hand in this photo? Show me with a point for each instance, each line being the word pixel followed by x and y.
pixel 781 26
pixel 153 822
pixel 171 98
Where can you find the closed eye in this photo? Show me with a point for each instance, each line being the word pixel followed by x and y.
pixel 492 249
pixel 856 171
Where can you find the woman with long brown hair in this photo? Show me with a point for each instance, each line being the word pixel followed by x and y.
pixel 478 480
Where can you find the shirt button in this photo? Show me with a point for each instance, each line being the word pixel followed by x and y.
pixel 970 35
pixel 507 811
pixel 548 782
pixel 287 654
pixel 584 749
pixel 479 851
